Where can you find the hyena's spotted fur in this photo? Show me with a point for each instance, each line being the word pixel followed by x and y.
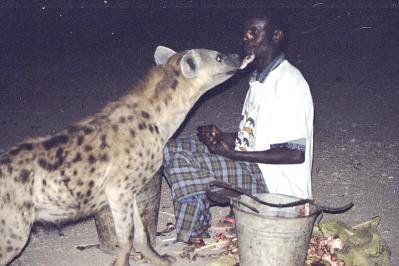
pixel 106 158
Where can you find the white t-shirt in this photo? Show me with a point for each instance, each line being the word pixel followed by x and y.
pixel 280 110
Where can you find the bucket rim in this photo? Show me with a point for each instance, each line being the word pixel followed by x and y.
pixel 313 211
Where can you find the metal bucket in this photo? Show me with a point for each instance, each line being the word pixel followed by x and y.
pixel 274 236
pixel 148 200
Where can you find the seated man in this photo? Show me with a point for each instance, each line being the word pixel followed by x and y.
pixel 272 150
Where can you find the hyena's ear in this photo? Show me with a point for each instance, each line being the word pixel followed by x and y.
pixel 162 55
pixel 189 64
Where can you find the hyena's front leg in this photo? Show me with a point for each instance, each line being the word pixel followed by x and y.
pixel 120 203
pixel 141 240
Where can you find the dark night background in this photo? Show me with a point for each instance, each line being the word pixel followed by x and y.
pixel 64 60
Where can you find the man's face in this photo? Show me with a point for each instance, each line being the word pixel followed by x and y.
pixel 257 38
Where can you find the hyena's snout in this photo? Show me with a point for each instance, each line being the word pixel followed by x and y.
pixel 221 68
pixel 232 60
pixel 235 58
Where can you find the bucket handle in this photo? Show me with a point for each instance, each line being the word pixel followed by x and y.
pixel 320 208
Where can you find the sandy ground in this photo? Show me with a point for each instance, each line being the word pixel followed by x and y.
pixel 59 65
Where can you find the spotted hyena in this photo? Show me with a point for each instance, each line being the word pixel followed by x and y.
pixel 107 158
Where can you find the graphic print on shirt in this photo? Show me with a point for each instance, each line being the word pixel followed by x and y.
pixel 246 134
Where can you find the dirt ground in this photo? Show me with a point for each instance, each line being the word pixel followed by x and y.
pixel 62 64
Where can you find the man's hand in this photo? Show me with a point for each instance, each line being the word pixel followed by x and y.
pixel 220 148
pixel 209 135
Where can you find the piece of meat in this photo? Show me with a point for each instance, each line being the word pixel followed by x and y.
pixel 247 60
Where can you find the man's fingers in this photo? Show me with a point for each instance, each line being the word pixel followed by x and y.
pixel 209 134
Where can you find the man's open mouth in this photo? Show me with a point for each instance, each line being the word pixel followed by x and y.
pixel 249 55
pixel 249 48
pixel 247 60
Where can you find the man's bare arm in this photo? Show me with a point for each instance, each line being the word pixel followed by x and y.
pixel 272 156
pixel 279 155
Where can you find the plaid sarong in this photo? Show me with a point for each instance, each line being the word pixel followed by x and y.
pixel 188 168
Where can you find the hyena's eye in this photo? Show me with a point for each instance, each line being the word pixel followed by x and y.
pixel 219 57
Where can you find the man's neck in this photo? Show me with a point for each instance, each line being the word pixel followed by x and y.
pixel 263 61
pixel 275 62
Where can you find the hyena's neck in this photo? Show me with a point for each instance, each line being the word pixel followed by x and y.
pixel 166 96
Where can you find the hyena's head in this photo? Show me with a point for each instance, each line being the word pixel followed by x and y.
pixel 202 67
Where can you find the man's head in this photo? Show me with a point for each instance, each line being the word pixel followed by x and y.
pixel 264 37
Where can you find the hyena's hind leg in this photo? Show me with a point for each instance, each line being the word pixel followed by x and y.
pixel 15 227
pixel 141 240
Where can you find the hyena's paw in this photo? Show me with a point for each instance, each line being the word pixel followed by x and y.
pixel 164 260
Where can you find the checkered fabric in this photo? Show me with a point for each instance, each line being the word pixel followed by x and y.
pixel 188 168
